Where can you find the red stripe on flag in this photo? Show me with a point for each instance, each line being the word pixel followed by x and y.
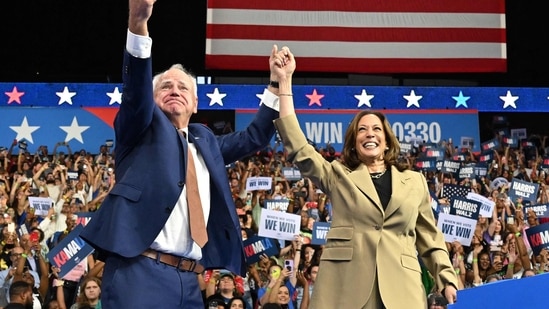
pixel 260 63
pixel 345 34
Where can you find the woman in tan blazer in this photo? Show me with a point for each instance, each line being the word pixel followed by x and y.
pixel 382 218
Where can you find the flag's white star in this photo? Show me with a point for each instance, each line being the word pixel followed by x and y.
pixel 24 131
pixel 65 96
pixel 216 97
pixel 74 131
pixel 364 98
pixel 412 99
pixel 461 100
pixel 116 96
pixel 261 96
pixel 509 100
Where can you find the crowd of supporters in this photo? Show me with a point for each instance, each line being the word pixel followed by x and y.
pixel 77 182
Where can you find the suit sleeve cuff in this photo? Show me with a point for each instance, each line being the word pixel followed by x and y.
pixel 270 100
pixel 138 46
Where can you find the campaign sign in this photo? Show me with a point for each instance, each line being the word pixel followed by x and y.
pixel 541 210
pixel 456 228
pixel 41 205
pixel 428 165
pixel 489 145
pixel 437 153
pixel 519 133
pixel 69 252
pixel 487 156
pixel 278 224
pixel 526 143
pixel 72 175
pixel 83 217
pixel 405 147
pixel 467 171
pixel 291 173
pixel 510 141
pixel 459 157
pixel 487 205
pixel 523 189
pixel 320 231
pixel 278 205
pixel 258 183
pixel 449 166
pixel 538 237
pixel 255 246
pixel 481 169
pixel 463 207
pixel 467 142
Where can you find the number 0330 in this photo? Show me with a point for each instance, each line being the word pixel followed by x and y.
pixel 411 131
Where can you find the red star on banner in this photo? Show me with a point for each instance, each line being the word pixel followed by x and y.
pixel 14 95
pixel 314 98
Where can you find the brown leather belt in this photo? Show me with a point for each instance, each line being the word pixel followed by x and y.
pixel 181 263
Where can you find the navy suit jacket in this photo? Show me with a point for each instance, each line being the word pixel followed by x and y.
pixel 150 175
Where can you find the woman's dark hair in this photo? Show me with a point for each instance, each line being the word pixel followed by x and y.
pixel 235 298
pixel 391 156
pixel 436 299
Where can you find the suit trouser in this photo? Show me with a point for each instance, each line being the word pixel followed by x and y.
pixel 141 282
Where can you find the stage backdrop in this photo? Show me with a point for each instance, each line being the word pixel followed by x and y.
pixel 82 114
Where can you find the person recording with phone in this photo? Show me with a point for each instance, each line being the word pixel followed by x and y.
pixel 280 289
pixel 165 222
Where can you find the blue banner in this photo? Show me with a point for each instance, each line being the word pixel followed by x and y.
pixel 219 96
pixel 430 126
pixel 82 114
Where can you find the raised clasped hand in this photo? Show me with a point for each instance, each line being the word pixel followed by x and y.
pixel 281 63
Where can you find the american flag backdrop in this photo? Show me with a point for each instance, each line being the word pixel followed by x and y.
pixel 449 191
pixel 363 36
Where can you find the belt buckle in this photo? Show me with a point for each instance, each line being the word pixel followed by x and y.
pixel 192 266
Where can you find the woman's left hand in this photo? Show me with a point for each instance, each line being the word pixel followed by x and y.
pixel 450 293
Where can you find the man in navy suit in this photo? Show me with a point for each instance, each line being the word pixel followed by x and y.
pixel 141 229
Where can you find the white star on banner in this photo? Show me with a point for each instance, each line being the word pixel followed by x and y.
pixel 116 96
pixel 261 96
pixel 65 96
pixel 24 131
pixel 364 99
pixel 412 99
pixel 509 100
pixel 74 131
pixel 216 97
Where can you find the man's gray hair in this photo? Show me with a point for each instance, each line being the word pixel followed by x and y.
pixel 177 66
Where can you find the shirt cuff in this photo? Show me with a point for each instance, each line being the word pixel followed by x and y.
pixel 270 100
pixel 138 46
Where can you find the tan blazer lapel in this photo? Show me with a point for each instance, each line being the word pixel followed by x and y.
pixel 400 183
pixel 361 178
